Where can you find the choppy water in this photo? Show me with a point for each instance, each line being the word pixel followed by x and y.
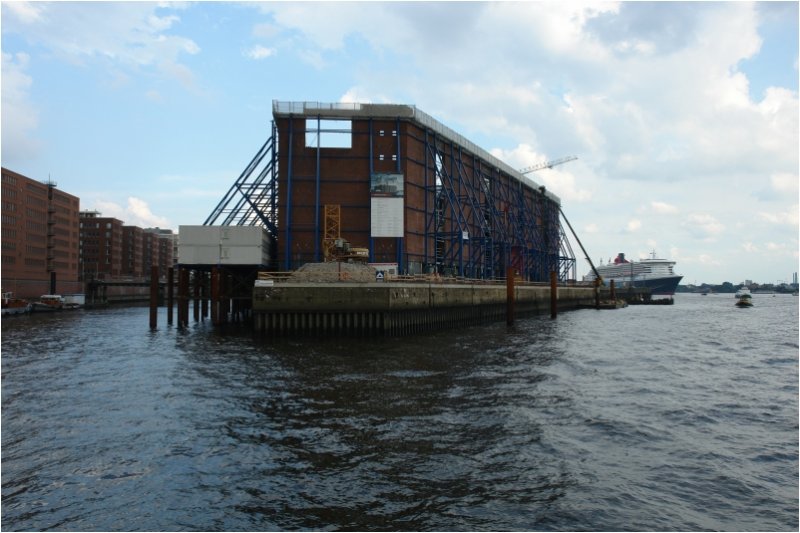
pixel 645 418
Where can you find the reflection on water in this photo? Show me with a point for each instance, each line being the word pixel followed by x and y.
pixel 630 419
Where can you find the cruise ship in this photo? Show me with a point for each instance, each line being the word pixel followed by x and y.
pixel 656 274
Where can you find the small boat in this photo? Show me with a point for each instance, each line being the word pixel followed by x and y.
pixel 48 302
pixel 744 298
pixel 743 292
pixel 14 306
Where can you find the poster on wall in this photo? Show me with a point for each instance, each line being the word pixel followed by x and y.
pixel 386 205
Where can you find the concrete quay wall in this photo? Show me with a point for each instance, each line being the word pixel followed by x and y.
pixel 397 308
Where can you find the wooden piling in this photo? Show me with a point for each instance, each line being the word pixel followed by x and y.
pixel 204 303
pixel 170 293
pixel 597 293
pixel 154 297
pixel 196 298
pixel 509 296
pixel 553 294
pixel 215 296
pixel 613 291
pixel 224 298
pixel 183 297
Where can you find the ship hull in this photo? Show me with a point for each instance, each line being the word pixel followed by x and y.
pixel 665 286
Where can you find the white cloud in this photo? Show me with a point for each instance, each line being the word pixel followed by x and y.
pixel 704 225
pixel 561 182
pixel 788 217
pixel 659 208
pixel 135 213
pixel 27 12
pixel 140 214
pixel 785 183
pixel 20 117
pixel 633 225
pixel 260 52
pixel 127 34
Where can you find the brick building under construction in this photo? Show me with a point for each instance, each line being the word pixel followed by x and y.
pixel 394 182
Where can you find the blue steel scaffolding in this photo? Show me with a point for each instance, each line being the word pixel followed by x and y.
pixel 481 217
pixel 252 199
pixel 482 220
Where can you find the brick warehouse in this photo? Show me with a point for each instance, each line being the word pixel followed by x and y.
pixel 393 180
pixel 46 238
pixel 39 237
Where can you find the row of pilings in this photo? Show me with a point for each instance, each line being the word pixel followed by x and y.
pixel 212 292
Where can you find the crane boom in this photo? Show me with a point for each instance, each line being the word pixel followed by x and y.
pixel 548 164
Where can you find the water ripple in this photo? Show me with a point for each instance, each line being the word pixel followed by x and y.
pixel 679 417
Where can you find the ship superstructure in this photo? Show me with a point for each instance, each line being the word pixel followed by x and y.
pixel 656 274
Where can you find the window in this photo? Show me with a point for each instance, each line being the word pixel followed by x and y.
pixel 329 133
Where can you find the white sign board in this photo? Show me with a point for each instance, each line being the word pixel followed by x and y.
pixel 386 216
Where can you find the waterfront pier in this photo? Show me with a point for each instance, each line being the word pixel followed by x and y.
pixel 400 308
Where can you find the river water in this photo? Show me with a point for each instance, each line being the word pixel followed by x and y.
pixel 680 417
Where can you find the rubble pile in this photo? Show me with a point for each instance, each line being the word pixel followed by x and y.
pixel 333 272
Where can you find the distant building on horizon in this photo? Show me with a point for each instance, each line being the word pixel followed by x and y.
pixel 101 246
pixel 167 243
pixel 133 251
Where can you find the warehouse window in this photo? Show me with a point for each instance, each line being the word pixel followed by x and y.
pixel 329 133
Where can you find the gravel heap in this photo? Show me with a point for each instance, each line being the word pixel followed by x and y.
pixel 333 272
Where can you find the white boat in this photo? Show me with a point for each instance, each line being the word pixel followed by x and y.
pixel 48 302
pixel 743 292
pixel 14 306
pixel 744 298
pixel 653 273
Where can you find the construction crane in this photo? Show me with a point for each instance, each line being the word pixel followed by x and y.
pixel 551 164
pixel 548 164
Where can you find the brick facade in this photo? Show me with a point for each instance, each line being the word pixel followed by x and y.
pixel 39 237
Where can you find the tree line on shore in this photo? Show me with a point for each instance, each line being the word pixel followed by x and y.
pixel 728 287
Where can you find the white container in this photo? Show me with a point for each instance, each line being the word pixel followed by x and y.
pixel 223 245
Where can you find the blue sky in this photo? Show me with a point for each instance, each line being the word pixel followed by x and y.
pixel 684 116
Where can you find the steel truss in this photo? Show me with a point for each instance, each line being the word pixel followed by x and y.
pixel 252 199
pixel 483 220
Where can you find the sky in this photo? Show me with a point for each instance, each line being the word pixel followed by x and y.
pixel 683 116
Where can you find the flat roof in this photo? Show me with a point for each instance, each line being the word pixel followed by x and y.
pixel 357 110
